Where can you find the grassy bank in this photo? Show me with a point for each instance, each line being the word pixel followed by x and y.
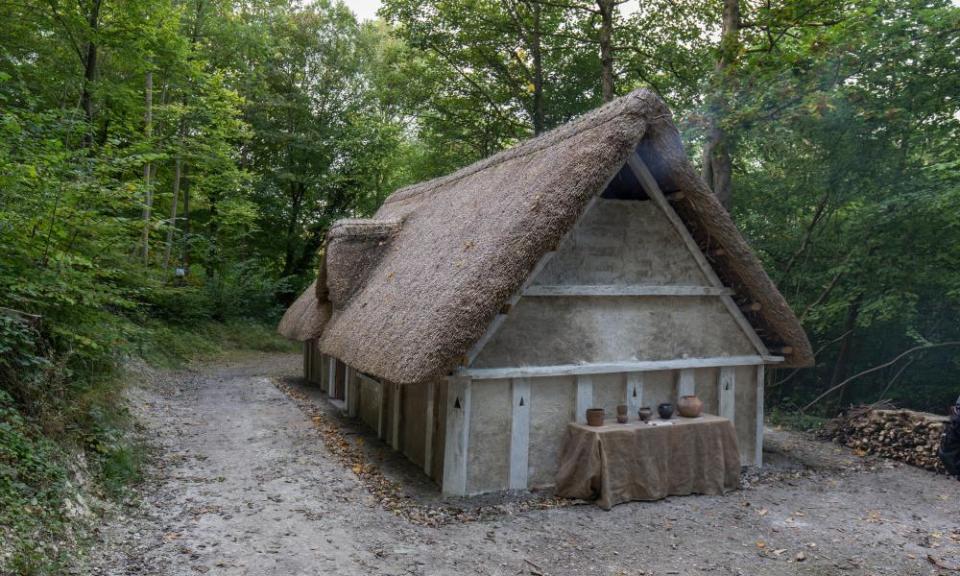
pixel 65 444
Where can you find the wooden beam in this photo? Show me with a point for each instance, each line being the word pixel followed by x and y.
pixel 727 393
pixel 614 367
pixel 397 410
pixel 331 376
pixel 634 381
pixel 457 437
pixel 381 410
pixel 758 448
pixel 751 307
pixel 353 393
pixel 782 350
pixel 306 360
pixel 686 383
pixel 584 397
pixel 675 196
pixel 595 290
pixel 650 185
pixel 428 430
pixel 519 433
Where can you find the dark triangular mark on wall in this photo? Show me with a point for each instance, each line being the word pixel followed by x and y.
pixel 456 404
pixel 521 400
pixel 634 391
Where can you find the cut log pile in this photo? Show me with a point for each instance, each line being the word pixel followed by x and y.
pixel 904 435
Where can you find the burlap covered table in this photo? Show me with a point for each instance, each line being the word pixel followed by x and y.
pixel 617 463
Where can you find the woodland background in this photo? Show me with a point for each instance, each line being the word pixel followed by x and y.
pixel 169 168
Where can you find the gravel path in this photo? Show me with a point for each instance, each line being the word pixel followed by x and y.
pixel 243 484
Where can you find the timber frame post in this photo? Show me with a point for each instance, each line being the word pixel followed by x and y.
pixel 758 447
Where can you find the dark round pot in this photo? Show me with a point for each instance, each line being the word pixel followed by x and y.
pixel 594 416
pixel 690 406
pixel 665 410
pixel 644 413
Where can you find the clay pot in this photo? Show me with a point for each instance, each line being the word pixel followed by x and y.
pixel 622 414
pixel 665 410
pixel 690 406
pixel 644 413
pixel 594 416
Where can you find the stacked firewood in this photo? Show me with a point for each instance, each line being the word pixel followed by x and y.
pixel 905 435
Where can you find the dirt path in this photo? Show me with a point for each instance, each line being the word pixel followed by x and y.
pixel 244 485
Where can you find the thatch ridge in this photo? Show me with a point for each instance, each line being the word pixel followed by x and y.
pixel 469 240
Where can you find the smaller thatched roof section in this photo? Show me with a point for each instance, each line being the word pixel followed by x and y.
pixel 428 288
pixel 304 319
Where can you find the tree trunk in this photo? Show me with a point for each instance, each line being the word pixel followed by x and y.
pixel 90 70
pixel 185 254
pixel 212 265
pixel 148 191
pixel 606 48
pixel 290 256
pixel 717 165
pixel 846 346
pixel 173 211
pixel 539 121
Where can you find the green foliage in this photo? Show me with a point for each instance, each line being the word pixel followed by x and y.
pixel 33 485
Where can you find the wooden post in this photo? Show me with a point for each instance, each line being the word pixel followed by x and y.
pixel 428 431
pixel 519 433
pixel 381 408
pixel 685 383
pixel 584 397
pixel 727 393
pixel 397 406
pixel 634 393
pixel 351 392
pixel 322 371
pixel 332 377
pixel 457 436
pixel 306 360
pixel 758 449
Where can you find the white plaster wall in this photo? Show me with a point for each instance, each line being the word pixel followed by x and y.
pixel 488 452
pixel 571 330
pixel 552 403
pixel 623 242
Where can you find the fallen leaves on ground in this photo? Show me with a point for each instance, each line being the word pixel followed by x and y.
pixel 389 494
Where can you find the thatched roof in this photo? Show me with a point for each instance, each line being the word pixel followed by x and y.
pixel 457 247
pixel 304 319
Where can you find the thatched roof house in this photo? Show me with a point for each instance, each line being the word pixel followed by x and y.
pixel 602 213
